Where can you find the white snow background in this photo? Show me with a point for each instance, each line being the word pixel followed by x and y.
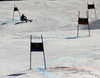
pixel 67 56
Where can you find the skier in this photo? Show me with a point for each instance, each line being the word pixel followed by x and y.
pixel 24 18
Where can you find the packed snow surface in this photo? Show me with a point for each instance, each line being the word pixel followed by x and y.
pixel 67 56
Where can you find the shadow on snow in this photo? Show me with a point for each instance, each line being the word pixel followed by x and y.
pixel 19 74
pixel 93 25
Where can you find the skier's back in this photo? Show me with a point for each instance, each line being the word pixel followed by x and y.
pixel 23 18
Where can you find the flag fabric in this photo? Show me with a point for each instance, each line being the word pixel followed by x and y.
pixel 37 47
pixel 16 9
pixel 83 21
pixel 91 6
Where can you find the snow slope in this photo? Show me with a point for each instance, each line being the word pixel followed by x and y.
pixel 67 56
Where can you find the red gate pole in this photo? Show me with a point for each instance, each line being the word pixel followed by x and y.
pixel 78 30
pixel 88 23
pixel 89 29
pixel 13 14
pixel 95 11
pixel 87 9
pixel 78 24
pixel 30 52
pixel 19 14
pixel 43 54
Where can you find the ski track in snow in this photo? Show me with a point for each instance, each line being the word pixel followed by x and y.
pixel 43 11
pixel 10 21
pixel 41 68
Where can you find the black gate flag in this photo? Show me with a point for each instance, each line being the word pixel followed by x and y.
pixel 82 21
pixel 37 47
pixel 91 6
pixel 15 9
